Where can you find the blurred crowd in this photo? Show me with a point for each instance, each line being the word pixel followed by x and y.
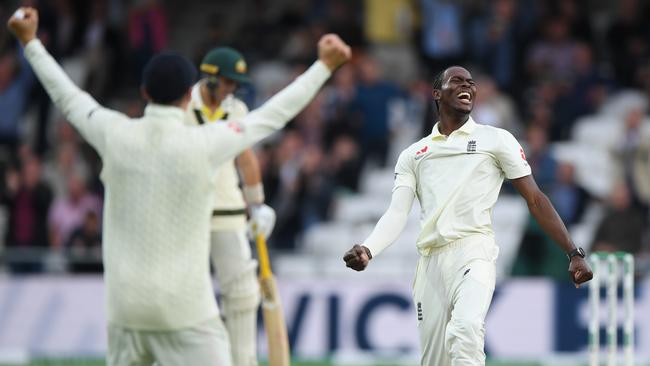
pixel 540 66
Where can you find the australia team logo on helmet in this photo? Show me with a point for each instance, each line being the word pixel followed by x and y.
pixel 240 66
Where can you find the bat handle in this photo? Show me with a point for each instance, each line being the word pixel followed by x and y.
pixel 263 256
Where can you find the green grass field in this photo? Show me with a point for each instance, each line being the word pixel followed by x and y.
pixel 69 362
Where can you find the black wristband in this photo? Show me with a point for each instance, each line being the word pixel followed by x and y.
pixel 576 252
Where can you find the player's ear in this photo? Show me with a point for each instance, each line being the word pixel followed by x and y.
pixel 436 94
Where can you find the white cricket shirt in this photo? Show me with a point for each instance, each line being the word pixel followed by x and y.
pixel 227 195
pixel 457 180
pixel 159 192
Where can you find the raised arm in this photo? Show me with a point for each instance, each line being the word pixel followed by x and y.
pixel 388 228
pixel 282 107
pixel 77 106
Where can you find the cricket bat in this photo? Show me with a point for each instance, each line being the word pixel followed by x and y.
pixel 274 324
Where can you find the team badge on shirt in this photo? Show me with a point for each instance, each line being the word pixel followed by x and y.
pixel 471 146
pixel 421 152
pixel 235 126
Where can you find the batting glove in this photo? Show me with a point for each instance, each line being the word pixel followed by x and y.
pixel 262 220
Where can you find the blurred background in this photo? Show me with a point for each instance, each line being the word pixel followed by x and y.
pixel 569 78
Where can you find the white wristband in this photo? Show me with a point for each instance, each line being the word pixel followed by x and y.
pixel 254 194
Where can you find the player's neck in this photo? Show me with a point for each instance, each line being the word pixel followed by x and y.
pixel 210 100
pixel 450 122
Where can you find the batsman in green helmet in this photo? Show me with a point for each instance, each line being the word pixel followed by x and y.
pixel 223 69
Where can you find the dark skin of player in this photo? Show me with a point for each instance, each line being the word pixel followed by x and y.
pixel 453 114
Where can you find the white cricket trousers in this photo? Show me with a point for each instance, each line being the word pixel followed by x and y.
pixel 205 344
pixel 452 293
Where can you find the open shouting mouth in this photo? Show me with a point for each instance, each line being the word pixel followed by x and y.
pixel 465 98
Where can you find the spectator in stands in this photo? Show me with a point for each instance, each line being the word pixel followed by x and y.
pixel 631 153
pixel 147 33
pixel 551 57
pixel 494 36
pixel 339 97
pixel 280 179
pixel 28 200
pixel 67 212
pixel 389 28
pixel 213 34
pixel 588 87
pixel 539 157
pixel 302 191
pixel 310 122
pixel 16 80
pixel 314 188
pixel 494 108
pixel 577 17
pixel 568 197
pixel 628 40
pixel 372 101
pixel 102 51
pixel 345 163
pixel 579 95
pixel 640 174
pixel 624 227
pixel 296 47
pixel 67 28
pixel 67 162
pixel 85 246
pixel 442 33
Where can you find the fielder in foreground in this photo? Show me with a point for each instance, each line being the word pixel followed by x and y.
pixel 456 173
pixel 222 70
pixel 159 181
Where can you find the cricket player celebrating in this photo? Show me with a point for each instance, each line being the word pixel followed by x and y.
pixel 159 178
pixel 456 173
pixel 223 69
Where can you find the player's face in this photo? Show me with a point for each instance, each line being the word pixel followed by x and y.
pixel 458 89
pixel 226 86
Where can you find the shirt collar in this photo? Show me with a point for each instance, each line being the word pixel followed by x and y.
pixel 467 128
pixel 198 104
pixel 160 110
pixel 196 95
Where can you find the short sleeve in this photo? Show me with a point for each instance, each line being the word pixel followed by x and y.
pixel 405 172
pixel 511 156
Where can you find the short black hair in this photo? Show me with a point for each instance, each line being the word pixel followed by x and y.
pixel 437 81
pixel 167 77
pixel 437 84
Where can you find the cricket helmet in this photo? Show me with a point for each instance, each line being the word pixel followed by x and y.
pixel 226 62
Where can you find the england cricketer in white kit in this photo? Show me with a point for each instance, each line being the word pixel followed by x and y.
pixel 456 173
pixel 223 69
pixel 159 182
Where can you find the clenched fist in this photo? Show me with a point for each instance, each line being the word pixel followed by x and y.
pixel 357 258
pixel 23 24
pixel 580 271
pixel 332 51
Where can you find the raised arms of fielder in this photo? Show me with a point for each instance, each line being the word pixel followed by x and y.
pixel 225 141
pixel 232 138
pixel 387 230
